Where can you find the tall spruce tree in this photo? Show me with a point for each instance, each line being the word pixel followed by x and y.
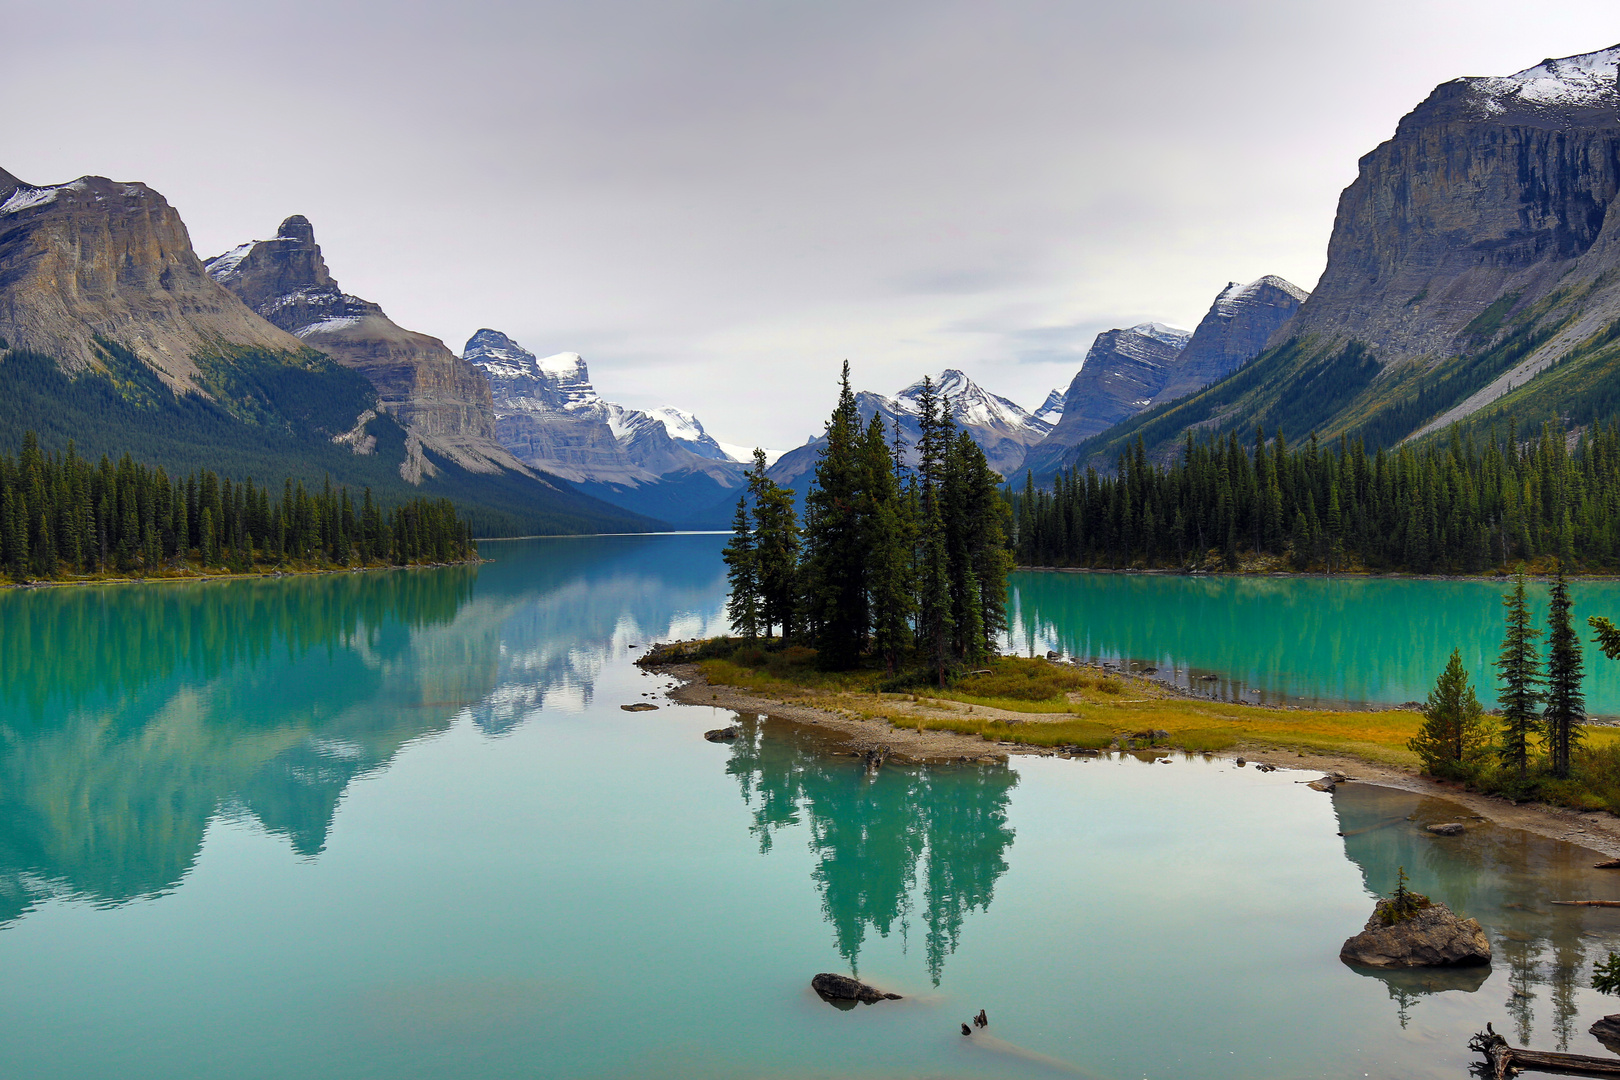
pixel 742 573
pixel 934 621
pixel 890 581
pixel 838 511
pixel 776 549
pixel 1519 679
pixel 1566 706
pixel 1454 732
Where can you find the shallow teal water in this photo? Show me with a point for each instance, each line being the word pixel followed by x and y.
pixel 1336 641
pixel 396 825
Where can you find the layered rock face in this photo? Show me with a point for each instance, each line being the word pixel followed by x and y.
pixel 100 258
pixel 1121 375
pixel 1235 331
pixel 443 402
pixel 1491 189
pixel 549 416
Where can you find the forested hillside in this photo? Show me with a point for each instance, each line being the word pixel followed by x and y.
pixel 61 515
pixel 1477 500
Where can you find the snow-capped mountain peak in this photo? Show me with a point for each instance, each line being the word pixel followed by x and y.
pixel 561 380
pixel 687 429
pixel 1051 410
pixel 971 404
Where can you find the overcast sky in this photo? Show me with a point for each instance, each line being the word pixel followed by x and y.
pixel 717 201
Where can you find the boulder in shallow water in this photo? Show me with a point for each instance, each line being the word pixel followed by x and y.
pixel 1434 937
pixel 724 734
pixel 843 988
pixel 640 706
pixel 1446 828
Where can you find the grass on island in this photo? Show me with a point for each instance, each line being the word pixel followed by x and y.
pixel 1040 703
pixel 1037 702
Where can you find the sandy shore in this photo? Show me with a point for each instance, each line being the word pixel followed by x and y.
pixel 1597 831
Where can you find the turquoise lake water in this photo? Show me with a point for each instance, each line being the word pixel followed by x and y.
pixel 397 825
pixel 1296 640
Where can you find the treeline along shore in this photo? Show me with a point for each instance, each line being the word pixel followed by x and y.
pixel 64 518
pixel 1464 505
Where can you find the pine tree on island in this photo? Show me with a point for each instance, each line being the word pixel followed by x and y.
pixel 776 549
pixel 1454 734
pixel 1566 706
pixel 1519 679
pixel 742 574
pixel 897 564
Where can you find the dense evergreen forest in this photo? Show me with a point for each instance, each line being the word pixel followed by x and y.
pixel 61 516
pixel 894 565
pixel 1475 502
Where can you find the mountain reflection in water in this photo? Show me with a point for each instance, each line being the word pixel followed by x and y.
pixel 133 716
pixel 1505 879
pixel 878 837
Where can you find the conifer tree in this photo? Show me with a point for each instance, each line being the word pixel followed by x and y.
pixel 836 535
pixel 1566 706
pixel 776 549
pixel 1454 732
pixel 1519 679
pixel 891 583
pixel 742 574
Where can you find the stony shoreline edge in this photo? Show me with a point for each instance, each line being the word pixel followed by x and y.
pixel 1597 831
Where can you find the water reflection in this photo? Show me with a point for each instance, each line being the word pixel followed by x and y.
pixel 1504 878
pixel 886 843
pixel 133 716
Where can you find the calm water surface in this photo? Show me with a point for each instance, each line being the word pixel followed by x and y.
pixel 1309 640
pixel 396 825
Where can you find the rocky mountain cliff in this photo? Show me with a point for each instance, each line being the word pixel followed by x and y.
pixel 1471 274
pixel 443 402
pixel 1120 376
pixel 549 416
pixel 98 258
pixel 1235 331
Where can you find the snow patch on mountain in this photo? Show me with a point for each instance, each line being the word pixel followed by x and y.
pixel 26 198
pixel 1581 80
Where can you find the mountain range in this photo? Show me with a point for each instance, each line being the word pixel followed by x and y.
pixel 1473 273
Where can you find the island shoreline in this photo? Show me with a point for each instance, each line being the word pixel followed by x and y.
pixel 877 739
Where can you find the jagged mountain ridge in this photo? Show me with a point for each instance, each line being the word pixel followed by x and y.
pixel 443 403
pixel 1121 374
pixel 1234 331
pixel 114 336
pixel 1470 274
pixel 550 416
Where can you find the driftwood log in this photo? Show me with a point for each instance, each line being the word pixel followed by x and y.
pixel 1612 864
pixel 1506 1061
pixel 1586 903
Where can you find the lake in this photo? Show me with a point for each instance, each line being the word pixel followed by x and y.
pixel 1339 641
pixel 397 825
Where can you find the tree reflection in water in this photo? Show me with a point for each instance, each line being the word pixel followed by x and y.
pixel 930 835
pixel 1504 878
